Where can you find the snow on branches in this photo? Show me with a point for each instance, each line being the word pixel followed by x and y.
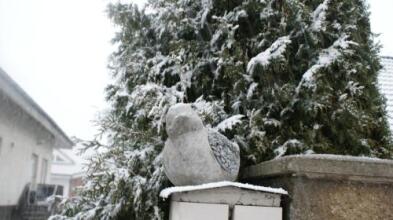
pixel 326 57
pixel 247 68
pixel 275 51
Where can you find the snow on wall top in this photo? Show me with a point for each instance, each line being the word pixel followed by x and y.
pixel 362 159
pixel 385 81
pixel 168 191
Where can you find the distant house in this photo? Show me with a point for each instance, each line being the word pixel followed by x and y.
pixel 385 81
pixel 28 137
pixel 67 170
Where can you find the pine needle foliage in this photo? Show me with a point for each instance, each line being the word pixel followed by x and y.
pixel 286 76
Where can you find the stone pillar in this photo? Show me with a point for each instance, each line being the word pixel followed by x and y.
pixel 225 201
pixel 329 186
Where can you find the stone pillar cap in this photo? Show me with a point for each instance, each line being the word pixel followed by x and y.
pixel 180 189
pixel 324 166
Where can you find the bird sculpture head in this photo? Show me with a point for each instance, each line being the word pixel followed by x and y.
pixel 181 119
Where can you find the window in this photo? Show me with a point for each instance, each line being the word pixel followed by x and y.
pixel 34 167
pixel 44 170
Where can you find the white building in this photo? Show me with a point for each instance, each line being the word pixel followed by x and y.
pixel 28 137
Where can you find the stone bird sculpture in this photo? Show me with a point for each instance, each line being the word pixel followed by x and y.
pixel 194 154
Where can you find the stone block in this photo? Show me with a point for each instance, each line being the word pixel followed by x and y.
pixel 329 187
pixel 198 211
pixel 257 213
pixel 224 200
pixel 231 196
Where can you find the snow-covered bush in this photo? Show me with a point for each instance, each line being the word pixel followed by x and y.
pixel 278 77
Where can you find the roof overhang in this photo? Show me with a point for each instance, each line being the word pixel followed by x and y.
pixel 14 92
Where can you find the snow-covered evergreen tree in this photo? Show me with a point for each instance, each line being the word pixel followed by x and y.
pixel 278 77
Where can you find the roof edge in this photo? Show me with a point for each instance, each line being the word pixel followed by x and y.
pixel 23 100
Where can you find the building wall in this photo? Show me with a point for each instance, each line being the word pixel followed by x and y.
pixel 75 182
pixel 21 137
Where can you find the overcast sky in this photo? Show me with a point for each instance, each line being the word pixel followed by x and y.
pixel 57 51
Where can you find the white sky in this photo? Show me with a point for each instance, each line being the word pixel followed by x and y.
pixel 57 51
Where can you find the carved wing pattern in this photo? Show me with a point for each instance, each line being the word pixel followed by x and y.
pixel 226 153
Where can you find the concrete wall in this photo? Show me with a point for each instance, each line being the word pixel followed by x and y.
pixel 329 187
pixel 21 137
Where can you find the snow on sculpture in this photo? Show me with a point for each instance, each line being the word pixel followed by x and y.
pixel 194 154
